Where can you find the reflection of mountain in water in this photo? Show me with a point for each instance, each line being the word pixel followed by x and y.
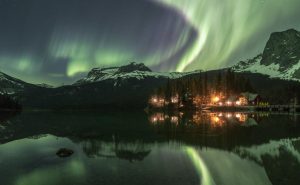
pixel 128 151
pixel 281 159
pixel 218 130
pixel 224 130
pixel 254 141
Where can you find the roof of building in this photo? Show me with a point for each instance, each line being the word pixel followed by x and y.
pixel 249 96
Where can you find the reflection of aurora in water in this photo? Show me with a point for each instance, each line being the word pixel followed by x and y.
pixel 200 166
pixel 182 159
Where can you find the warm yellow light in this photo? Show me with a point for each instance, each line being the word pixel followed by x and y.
pixel 174 119
pixel 228 102
pixel 238 115
pixel 238 103
pixel 216 119
pixel 229 115
pixel 174 100
pixel 216 99
pixel 154 100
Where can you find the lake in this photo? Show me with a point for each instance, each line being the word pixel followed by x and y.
pixel 134 148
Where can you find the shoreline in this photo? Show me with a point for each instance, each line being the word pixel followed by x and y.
pixel 212 108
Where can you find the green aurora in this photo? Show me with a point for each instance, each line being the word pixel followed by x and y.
pixel 227 27
pixel 58 42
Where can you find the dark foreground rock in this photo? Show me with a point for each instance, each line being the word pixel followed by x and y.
pixel 64 152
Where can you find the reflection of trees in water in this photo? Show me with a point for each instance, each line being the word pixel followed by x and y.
pixel 135 151
pixel 5 116
pixel 6 123
pixel 279 157
pixel 214 119
pixel 193 128
pixel 223 130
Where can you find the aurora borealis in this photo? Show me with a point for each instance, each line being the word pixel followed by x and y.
pixel 56 41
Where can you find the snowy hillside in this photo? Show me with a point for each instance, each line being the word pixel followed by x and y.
pixel 273 149
pixel 5 79
pixel 13 86
pixel 280 59
pixel 272 70
pixel 10 85
pixel 130 71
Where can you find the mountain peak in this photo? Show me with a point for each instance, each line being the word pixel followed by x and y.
pixel 282 48
pixel 131 71
pixel 133 66
pixel 286 32
pixel 280 58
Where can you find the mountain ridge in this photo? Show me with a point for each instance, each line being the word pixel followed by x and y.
pixel 125 72
pixel 130 86
pixel 280 58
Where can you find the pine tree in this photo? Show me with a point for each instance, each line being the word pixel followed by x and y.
pixel 248 87
pixel 219 83
pixel 168 91
pixel 205 88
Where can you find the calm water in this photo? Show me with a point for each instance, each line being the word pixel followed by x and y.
pixel 155 148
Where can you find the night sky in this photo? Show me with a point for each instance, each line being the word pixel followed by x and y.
pixel 57 41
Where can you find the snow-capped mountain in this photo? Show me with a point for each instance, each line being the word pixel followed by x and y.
pixel 10 82
pixel 10 85
pixel 280 58
pixel 131 71
pixel 130 86
pixel 15 87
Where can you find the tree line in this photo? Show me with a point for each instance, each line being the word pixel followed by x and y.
pixel 225 83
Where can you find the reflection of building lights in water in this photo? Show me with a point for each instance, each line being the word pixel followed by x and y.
pixel 158 117
pixel 215 119
pixel 200 166
pixel 174 119
pixel 241 117
pixel 161 118
pixel 229 115
pixel 229 103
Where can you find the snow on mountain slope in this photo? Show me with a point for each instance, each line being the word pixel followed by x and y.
pixel 280 59
pixel 9 84
pixel 272 70
pixel 131 71
pixel 273 149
